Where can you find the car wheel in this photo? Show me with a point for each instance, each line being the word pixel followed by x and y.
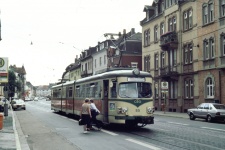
pixel 209 118
pixel 192 116
pixel 24 108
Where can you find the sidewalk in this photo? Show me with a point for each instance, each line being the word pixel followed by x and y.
pixel 171 114
pixel 9 138
pixel 7 134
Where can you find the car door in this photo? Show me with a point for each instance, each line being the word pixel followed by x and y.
pixel 198 111
pixel 205 111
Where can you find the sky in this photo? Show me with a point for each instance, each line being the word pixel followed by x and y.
pixel 45 36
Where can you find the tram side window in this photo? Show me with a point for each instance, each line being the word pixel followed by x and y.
pixel 94 90
pixel 82 91
pixel 55 93
pixel 87 90
pixel 70 91
pixel 59 93
pixel 78 91
pixel 113 90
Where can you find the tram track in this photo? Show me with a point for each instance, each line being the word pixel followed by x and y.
pixel 177 138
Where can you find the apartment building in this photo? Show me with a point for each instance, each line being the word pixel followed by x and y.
pixel 183 45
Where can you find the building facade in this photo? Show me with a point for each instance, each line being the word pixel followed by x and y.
pixel 183 45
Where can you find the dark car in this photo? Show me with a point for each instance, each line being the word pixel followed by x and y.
pixel 208 111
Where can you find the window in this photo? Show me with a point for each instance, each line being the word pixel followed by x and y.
pixel 172 24
pixel 156 61
pixel 211 43
pixel 156 10
pixel 173 57
pixel 222 8
pixel 100 61
pixel 162 60
pixel 208 12
pixel 187 19
pixel 147 37
pixel 211 12
pixel 189 88
pixel 188 54
pixel 205 15
pixel 209 88
pixel 147 63
pixel 104 59
pixel 173 89
pixel 209 49
pixel 206 49
pixel 162 28
pixel 156 90
pixel 134 65
pixel 156 33
pixel 222 44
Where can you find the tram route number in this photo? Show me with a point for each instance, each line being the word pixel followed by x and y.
pixel 137 110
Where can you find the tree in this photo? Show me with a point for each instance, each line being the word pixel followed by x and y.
pixel 13 84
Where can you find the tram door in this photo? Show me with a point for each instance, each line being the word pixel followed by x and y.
pixel 105 100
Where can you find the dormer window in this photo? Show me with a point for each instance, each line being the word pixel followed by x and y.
pixel 156 10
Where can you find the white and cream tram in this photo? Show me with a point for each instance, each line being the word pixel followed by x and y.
pixel 122 96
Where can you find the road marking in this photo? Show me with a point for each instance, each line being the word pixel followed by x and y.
pixel 213 129
pixel 111 133
pixel 179 123
pixel 162 129
pixel 143 144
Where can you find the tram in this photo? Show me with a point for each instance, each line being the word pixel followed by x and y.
pixel 122 96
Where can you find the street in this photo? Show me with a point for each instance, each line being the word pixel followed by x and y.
pixel 44 129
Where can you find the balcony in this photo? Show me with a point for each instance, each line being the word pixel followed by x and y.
pixel 84 73
pixel 168 71
pixel 169 41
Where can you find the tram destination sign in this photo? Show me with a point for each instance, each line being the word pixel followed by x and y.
pixel 3 69
pixel 136 79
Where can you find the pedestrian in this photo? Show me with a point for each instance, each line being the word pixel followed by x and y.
pixel 94 112
pixel 85 115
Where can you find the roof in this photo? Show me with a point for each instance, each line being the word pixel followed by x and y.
pixel 20 70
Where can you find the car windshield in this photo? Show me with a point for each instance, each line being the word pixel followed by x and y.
pixel 219 106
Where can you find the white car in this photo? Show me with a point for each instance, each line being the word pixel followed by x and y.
pixel 36 99
pixel 27 99
pixel 18 104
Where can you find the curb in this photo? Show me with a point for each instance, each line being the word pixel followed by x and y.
pixel 18 146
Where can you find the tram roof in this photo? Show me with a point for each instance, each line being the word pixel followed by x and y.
pixel 105 75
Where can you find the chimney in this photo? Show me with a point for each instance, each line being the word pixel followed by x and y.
pixel 132 31
pixel 124 31
pixel 119 34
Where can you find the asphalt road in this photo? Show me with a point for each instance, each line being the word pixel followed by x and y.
pixel 45 130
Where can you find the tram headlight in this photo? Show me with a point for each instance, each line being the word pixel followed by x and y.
pixel 150 110
pixel 122 110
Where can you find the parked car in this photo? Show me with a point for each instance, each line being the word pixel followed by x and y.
pixel 36 99
pixel 27 99
pixel 208 111
pixel 18 104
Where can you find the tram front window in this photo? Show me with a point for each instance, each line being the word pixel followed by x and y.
pixel 135 90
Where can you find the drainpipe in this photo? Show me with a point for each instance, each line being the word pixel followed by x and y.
pixel 220 85
pixel 181 58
